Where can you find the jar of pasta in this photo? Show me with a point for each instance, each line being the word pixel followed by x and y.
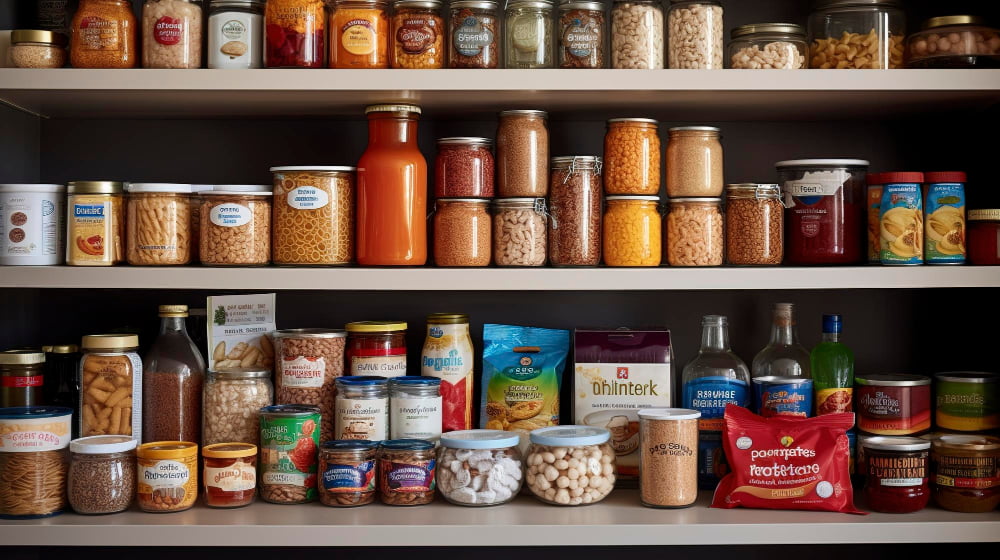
pixel 359 34
pixel 294 34
pixel 529 39
pixel 632 231
pixel 231 400
pixel 171 34
pixel 695 232
pixel 581 34
pixel 22 374
pixel 376 348
pixel 110 386
pixel 101 474
pixel 462 231
pixel 522 154
pixel 235 228
pixel 575 208
pixel 632 157
pixel 313 215
pixel 473 34
pixel 417 35
pixel 857 34
pixel 95 228
pixel 158 224
pixel 103 35
pixel 34 461
pixel 519 232
pixel 694 162
pixel 167 476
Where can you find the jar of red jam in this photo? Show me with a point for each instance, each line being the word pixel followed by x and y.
pixel 983 238
pixel 230 475
pixel 897 474
pixel 376 348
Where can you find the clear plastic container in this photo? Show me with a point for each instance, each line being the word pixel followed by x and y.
pixel 632 157
pixel 234 228
pixel 695 34
pixel 582 33
pixel 522 154
pixel 762 46
pixel 519 232
pixel 694 162
pixel 529 39
pixel 570 465
pixel 493 454
pixel 158 224
pixel 462 231
pixel 34 461
pixel 101 474
pixel 33 48
pixel 857 34
pixel 406 472
pixel 954 42
pixel 637 34
pixel 231 403
pixel 347 472
pixel 694 229
pixel 172 380
pixel 754 224
pixel 575 208
pixel 632 231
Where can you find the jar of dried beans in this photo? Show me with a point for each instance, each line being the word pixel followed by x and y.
pixel 632 234
pixel 235 228
pixel 529 40
pixel 754 224
pixel 230 476
pixel 582 30
pixel 376 348
pixel 171 34
pixel 313 215
pixel 417 35
pixel 694 162
pixel 158 224
pixel 519 232
pixel 632 157
pixel 695 34
pixel 522 154
pixel 575 208
pixel 462 230
pixel 103 35
pixel 464 168
pixel 694 232
pixel 559 455
pixel 167 476
pixel 359 34
pixel 406 472
pixel 362 408
pixel 637 34
pixel 308 363
pixel 473 34
pixel 101 474
pixel 231 403
pixel 347 471
pixel 295 34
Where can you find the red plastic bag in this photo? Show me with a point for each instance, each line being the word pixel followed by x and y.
pixel 784 462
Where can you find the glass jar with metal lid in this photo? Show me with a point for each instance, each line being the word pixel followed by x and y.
pixel 695 232
pixel 417 35
pixel 231 404
pixel 347 472
pixel 632 231
pixel 376 348
pixel 415 407
pixel 158 223
pixel 362 408
pixel 967 401
pixel 550 454
pixel 110 386
pixel 235 34
pixel 983 237
pixel 892 404
pixel 102 475
pixel 695 34
pixel 966 472
pixel 960 41
pixel 35 48
pixel 22 373
pixel 464 168
pixel 632 157
pixel 694 162
pixel 230 475
pixel 167 476
pixel 95 223
pixel 754 224
pixel 519 232
pixel 898 474
pixel 582 31
pixel 761 46
pixel 359 34
pixel 637 34
pixel 473 34
pixel 522 153
pixel 529 40
pixel 462 232
pixel 857 34
pixel 575 209
pixel 307 364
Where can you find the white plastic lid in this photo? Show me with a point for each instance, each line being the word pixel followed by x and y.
pixel 160 187
pixel 823 163
pixel 341 168
pixel 99 445
pixel 201 188
pixel 669 413
pixel 32 187
pixel 242 188
pixel 241 193
pixel 561 436
pixel 480 439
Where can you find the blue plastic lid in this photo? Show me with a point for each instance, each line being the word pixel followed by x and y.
pixel 407 445
pixel 563 436
pixel 349 445
pixel 414 380
pixel 20 412
pixel 480 439
pixel 362 380
pixel 832 323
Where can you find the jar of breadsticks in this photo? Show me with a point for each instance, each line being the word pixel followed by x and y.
pixel 313 215
pixel 857 34
pixel 158 224
pixel 110 386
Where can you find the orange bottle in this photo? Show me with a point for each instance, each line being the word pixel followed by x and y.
pixel 392 190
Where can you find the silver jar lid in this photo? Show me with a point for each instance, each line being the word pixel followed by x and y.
pixel 892 380
pixel 309 333
pixel 537 4
pixel 474 4
pixel 684 199
pixel 634 120
pixel 466 141
pixel 694 129
pixel 425 4
pixel 524 113
pixel 778 28
pixel 883 443
pixel 582 5
pixel 240 373
pixel 753 190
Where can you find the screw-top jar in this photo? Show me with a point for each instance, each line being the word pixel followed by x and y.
pixel 668 460
pixel 234 228
pixel 171 34
pixel 110 386
pixel 694 161
pixel 359 34
pixel 376 348
pixel 519 232
pixel 95 223
pixel 632 231
pixel 898 474
pixel 231 402
pixel 575 208
pixel 347 472
pixel 529 38
pixel 959 41
pixel 966 472
pixel 695 34
pixel 102 474
pixel 362 408
pixel 295 34
pixel 406 472
pixel 103 35
pixel 415 407
pixel 235 34
pixel 22 373
pixel 418 35
pixel 167 476
pixel 551 464
pixel 694 230
pixel 637 34
pixel 462 231
pixel 857 34
pixel 158 222
pixel 581 34
pixel 33 48
pixel 762 46
pixel 632 157
pixel 230 476
pixel 497 459
pixel 754 224
pixel 34 461
pixel 464 168
pixel 473 34
pixel 522 154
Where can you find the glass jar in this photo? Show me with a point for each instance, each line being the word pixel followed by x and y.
pixel 448 355
pixel 522 154
pixel 31 48
pixel 519 237
pixel 171 34
pixel 754 224
pixel 102 474
pixel 313 215
pixel 575 208
pixel 406 472
pixel 984 237
pixel 695 34
pixel 473 34
pixel 231 403
pixel 376 348
pixel 825 210
pixel 668 462
pixel 307 365
pixel 632 157
pixel 110 386
pixel 415 407
pixel 464 168
pixel 554 448
pixel 362 408
pixel 462 230
pixel 873 32
pixel 417 35
pixel 289 442
pixel 295 34
pixel 194 208
pixel 694 162
pixel 235 34
pixel 167 476
pixel 347 472
pixel 172 380
pixel 235 228
pixel 694 231
pixel 637 34
pixel 582 30
pixel 966 470
pixel 61 386
pixel 158 224
pixel 897 474
pixel 95 223
pixel 359 34
pixel 529 39
pixel 34 461
pixel 22 373
pixel 498 461
pixel 104 35
pixel 954 42
pixel 230 476
pixel 632 231
pixel 762 46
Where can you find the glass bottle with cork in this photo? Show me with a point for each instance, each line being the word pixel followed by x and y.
pixel 832 365
pixel 173 375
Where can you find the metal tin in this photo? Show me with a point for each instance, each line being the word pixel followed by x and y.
pixel 783 396
pixel 967 401
pixel 289 439
pixel 901 230
pixel 893 405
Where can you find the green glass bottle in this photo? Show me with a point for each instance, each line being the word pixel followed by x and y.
pixel 832 366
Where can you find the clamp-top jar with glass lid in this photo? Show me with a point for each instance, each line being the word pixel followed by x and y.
pixel 529 39
pixel 575 207
pixel 754 224
pixel 960 41
pixel 857 34
pixel 762 46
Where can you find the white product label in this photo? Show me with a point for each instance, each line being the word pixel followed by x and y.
pixel 291 479
pixel 237 477
pixel 31 224
pixel 231 215
pixel 898 482
pixel 308 198
pixel 34 434
pixel 815 183
pixel 362 419
pixel 302 372
pixel 418 418
pixel 447 353
pixel 164 474
pixel 235 40
pixel 385 366
pixel 238 331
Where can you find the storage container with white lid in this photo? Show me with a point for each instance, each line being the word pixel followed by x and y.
pixel 570 465
pixel 32 224
pixel 102 474
pixel 480 467
pixel 158 223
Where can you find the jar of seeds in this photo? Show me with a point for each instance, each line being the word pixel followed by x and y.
pixel 101 474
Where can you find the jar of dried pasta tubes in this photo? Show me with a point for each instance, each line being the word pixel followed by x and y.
pixel 95 224
pixel 406 469
pixel 575 210
pixel 158 224
pixel 417 35
pixel 359 34
pixel 235 228
pixel 632 235
pixel 102 474
pixel 694 232
pixel 462 231
pixel 313 215
pixel 22 378
pixel 33 461
pixel 376 348
pixel 230 476
pixel 347 471
pixel 473 34
pixel 754 224
pixel 167 476
pixel 110 385
pixel 632 157
pixel 581 34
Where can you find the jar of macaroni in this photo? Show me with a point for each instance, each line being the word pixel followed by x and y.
pixel 417 35
pixel 695 34
pixel 171 34
pixel 632 231
pixel 581 34
pixel 575 209
pixel 473 35
pixel 359 34
pixel 519 232
pixel 158 222
pixel 235 228
pixel 559 455
pixel 529 40
pixel 462 231
pixel 110 386
pixel 167 475
pixel 95 225
pixel 522 154
pixel 231 401
pixel 694 162
pixel 313 215
pixel 763 46
pixel 857 34
pixel 362 408
pixel 632 157
pixel 695 232
pixel 754 224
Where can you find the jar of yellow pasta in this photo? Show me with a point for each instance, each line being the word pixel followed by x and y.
pixel 695 232
pixel 632 231
pixel 158 224
pixel 95 223
pixel 313 215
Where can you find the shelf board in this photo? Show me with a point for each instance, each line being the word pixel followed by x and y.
pixel 666 94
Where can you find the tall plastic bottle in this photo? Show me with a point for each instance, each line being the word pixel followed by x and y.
pixel 832 370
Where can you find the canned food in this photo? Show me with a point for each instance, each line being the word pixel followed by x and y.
pixel 34 461
pixel 32 220
pixel 783 396
pixel 167 476
pixel 893 404
pixel 945 217
pixel 901 229
pixel 967 401
pixel 289 439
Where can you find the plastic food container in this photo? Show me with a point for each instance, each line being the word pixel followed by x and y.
pixel 961 41
pixel 984 237
pixel 406 472
pixel 575 209
pixel 668 471
pixel 552 469
pixel 966 472
pixel 632 157
pixel 762 46
pixel 897 470
pixel 462 232
pixel 33 48
pixel 519 232
pixel 893 404
pixel 95 223
pixel 158 224
pixel 231 401
pixel 34 461
pixel 235 228
pixel 289 441
pixel 347 470
pixel 376 348
pixel 362 408
pixel 694 229
pixel 967 401
pixel 230 476
pixel 110 386
pixel 694 162
pixel 313 215
pixel 167 476
pixel 102 474
pixel 632 231
pixel 522 154
pixel 755 223
pixel 32 224
pixel 307 363
pixel 492 454
pixel 21 378
pixel 873 33
pixel 464 168
pixel 695 34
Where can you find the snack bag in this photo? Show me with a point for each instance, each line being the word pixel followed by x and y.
pixel 785 462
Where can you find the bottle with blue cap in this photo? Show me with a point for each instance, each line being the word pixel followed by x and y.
pixel 832 365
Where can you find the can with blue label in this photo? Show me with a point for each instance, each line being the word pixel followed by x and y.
pixel 783 396
pixel 901 219
pixel 944 210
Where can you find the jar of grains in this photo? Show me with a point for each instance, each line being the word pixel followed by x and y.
pixel 762 46
pixel 110 386
pixel 575 208
pixel 230 476
pixel 101 474
pixel 313 215
pixel 492 456
pixel 22 378
pixel 472 35
pixel 95 223
pixel 171 34
pixel 235 34
pixel 632 157
pixel 167 476
pixel 103 35
pixel 359 34
pixel 464 168
pixel 462 230
pixel 849 34
pixel 694 232
pixel 519 232
pixel 376 348
pixel 362 408
pixel 415 407
pixel 582 30
pixel 637 34
pixel 559 455
pixel 695 34
pixel 347 471
pixel 417 35
pixel 173 375
pixel 289 442
pixel 235 228
pixel 694 161
pixel 294 34
pixel 668 461
pixel 231 404
pixel 308 363
pixel 34 461
pixel 158 224
pixel 32 48
pixel 632 235
pixel 406 472
pixel 529 40
pixel 754 224
pixel 522 154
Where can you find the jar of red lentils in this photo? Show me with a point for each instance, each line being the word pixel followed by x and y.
pixel 984 237
pixel 464 168
pixel 462 232
pixel 230 475
pixel 376 348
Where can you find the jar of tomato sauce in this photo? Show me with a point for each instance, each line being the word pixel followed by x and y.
pixel 897 470
pixel 984 237
pixel 230 476
pixel 376 348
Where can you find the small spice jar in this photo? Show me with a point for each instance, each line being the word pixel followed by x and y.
pixel 406 472
pixel 960 41
pixel 632 231
pixel 158 224
pixel 230 476
pixel 295 34
pixel 347 472
pixel 95 223
pixel 559 455
pixel 109 364
pixel 34 461
pixel 966 472
pixel 637 34
pixel 519 236
pixel 529 39
pixel 235 34
pixel 984 237
pixel 313 215
pixel 581 34
pixel 104 35
pixel 668 461
pixel 415 407
pixel 235 228
pixel 417 35
pixel 462 232
pixel 694 162
pixel 897 474
pixel 376 348
pixel 33 48
pixel 522 154
pixel 695 34
pixel 892 404
pixel 171 34
pixel 575 209
pixel 632 157
pixel 493 455
pixel 694 230
pixel 967 401
pixel 473 34
pixel 463 168
pixel 22 378
pixel 754 224
pixel 167 476
pixel 763 46
pixel 362 408
pixel 231 401
pixel 359 34
pixel 102 474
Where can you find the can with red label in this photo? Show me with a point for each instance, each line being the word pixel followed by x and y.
pixel 893 404
pixel 21 376
pixel 783 396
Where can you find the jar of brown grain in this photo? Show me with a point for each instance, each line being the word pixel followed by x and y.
pixel 522 154
pixel 754 224
pixel 694 162
pixel 462 232
pixel 575 210
pixel 668 463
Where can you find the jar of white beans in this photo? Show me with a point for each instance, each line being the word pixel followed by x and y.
pixel 570 465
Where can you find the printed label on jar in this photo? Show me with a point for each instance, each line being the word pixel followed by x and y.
pixel 417 418
pixel 308 198
pixel 288 451
pixel 580 39
pixel 900 224
pixel 18 381
pixel 350 478
pixel 90 229
pixel 362 419
pixel 407 477
pixel 967 407
pixel 526 30
pixel 237 477
pixel 472 36
pixel 814 185
pixel 98 34
pixel 417 34
pixel 710 395
pixel 303 371
pixel 231 215
pixel 898 471
pixel 385 366
pixel 945 223
pixel 358 36
pixel 234 29
pixel 965 472
pixel 168 30
pixel 164 474
pixel 35 434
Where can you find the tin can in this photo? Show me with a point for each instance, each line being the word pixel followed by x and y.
pixel 32 224
pixel 289 441
pixel 967 401
pixel 893 404
pixel 901 230
pixel 783 396
pixel 167 476
pixel 873 200
pixel 944 208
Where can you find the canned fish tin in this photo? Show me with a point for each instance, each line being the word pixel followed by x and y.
pixel 289 440
pixel 783 396
pixel 944 209
pixel 967 401
pixel 893 404
pixel 901 230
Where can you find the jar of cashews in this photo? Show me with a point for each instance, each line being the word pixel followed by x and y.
pixel 313 215
pixel 158 224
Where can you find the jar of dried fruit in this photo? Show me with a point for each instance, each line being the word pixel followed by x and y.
pixel 754 224
pixel 171 34
pixel 417 35
pixel 103 35
pixel 575 210
pixel 359 34
pixel 462 231
pixel 294 34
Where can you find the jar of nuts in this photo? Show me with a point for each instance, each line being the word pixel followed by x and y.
pixel 694 232
pixel 473 35
pixel 480 467
pixel 762 46
pixel 582 30
pixel 632 157
pixel 694 161
pixel 406 472
pixel 235 228
pixel 632 231
pixel 857 34
pixel 953 42
pixel 417 35
pixel 754 224
pixel 307 364
pixel 519 232
pixel 231 404
pixel 347 472
pixel 637 34
pixel 522 153
pixel 575 206
pixel 158 224
pixel 570 465
pixel 695 33
pixel 462 231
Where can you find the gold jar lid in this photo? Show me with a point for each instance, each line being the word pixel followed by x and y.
pixel 95 187
pixel 447 318
pixel 168 450
pixel 229 450
pixel 945 21
pixel 65 349
pixel 109 341
pixel 375 326
pixel 21 357
pixel 38 36
pixel 173 311
pixel 984 215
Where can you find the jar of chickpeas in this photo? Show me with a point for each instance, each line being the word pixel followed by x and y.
pixel 417 35
pixel 235 228
pixel 632 231
pixel 632 157
pixel 313 215
pixel 694 232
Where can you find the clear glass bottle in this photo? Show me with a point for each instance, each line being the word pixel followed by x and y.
pixel 173 375
pixel 529 41
pixel 832 366
pixel 783 356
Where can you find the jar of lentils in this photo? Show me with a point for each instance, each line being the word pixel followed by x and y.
pixel 762 46
pixel 231 403
pixel 519 232
pixel 695 32
pixel 694 232
pixel 754 224
pixel 581 33
pixel 462 230
pixel 102 474
pixel 473 34
pixel 529 40
pixel 417 35
pixel 632 157
pixel 522 154
pixel 637 34
pixel 575 208
pixel 632 231
pixel 464 168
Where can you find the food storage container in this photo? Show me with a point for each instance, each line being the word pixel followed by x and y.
pixel 104 34
pixel 984 237
pixel 464 168
pixel 235 228
pixel 529 40
pixel 462 232
pixel 231 403
pixel 95 223
pixel 347 470
pixel 158 224
pixel 581 34
pixel 967 401
pixel 110 386
pixel 575 209
pixel 754 224
pixel 167 476
pixel 695 34
pixel 415 407
pixel 632 231
pixel 761 46
pixel 637 34
pixel 34 229
pixel 313 215
pixel 289 442
pixel 632 157
pixel 362 408
pixel 171 34
pixel 295 34
pixel 966 472
pixel 173 375
pixel 694 230
pixel 61 387
pixel 235 34
pixel 960 41
pixel 944 217
pixel 34 461
pixel 892 404
pixel 359 34
pixel 418 35
pixel 22 378
pixel 448 355
pixel 857 34
pixel 33 48
pixel 897 471
pixel 492 454
pixel 668 460
pixel 307 362
pixel 551 465
pixel 376 348
pixel 522 154
pixel 519 232
pixel 406 472
pixel 473 34
pixel 230 476
pixel 694 162
pixel 102 475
